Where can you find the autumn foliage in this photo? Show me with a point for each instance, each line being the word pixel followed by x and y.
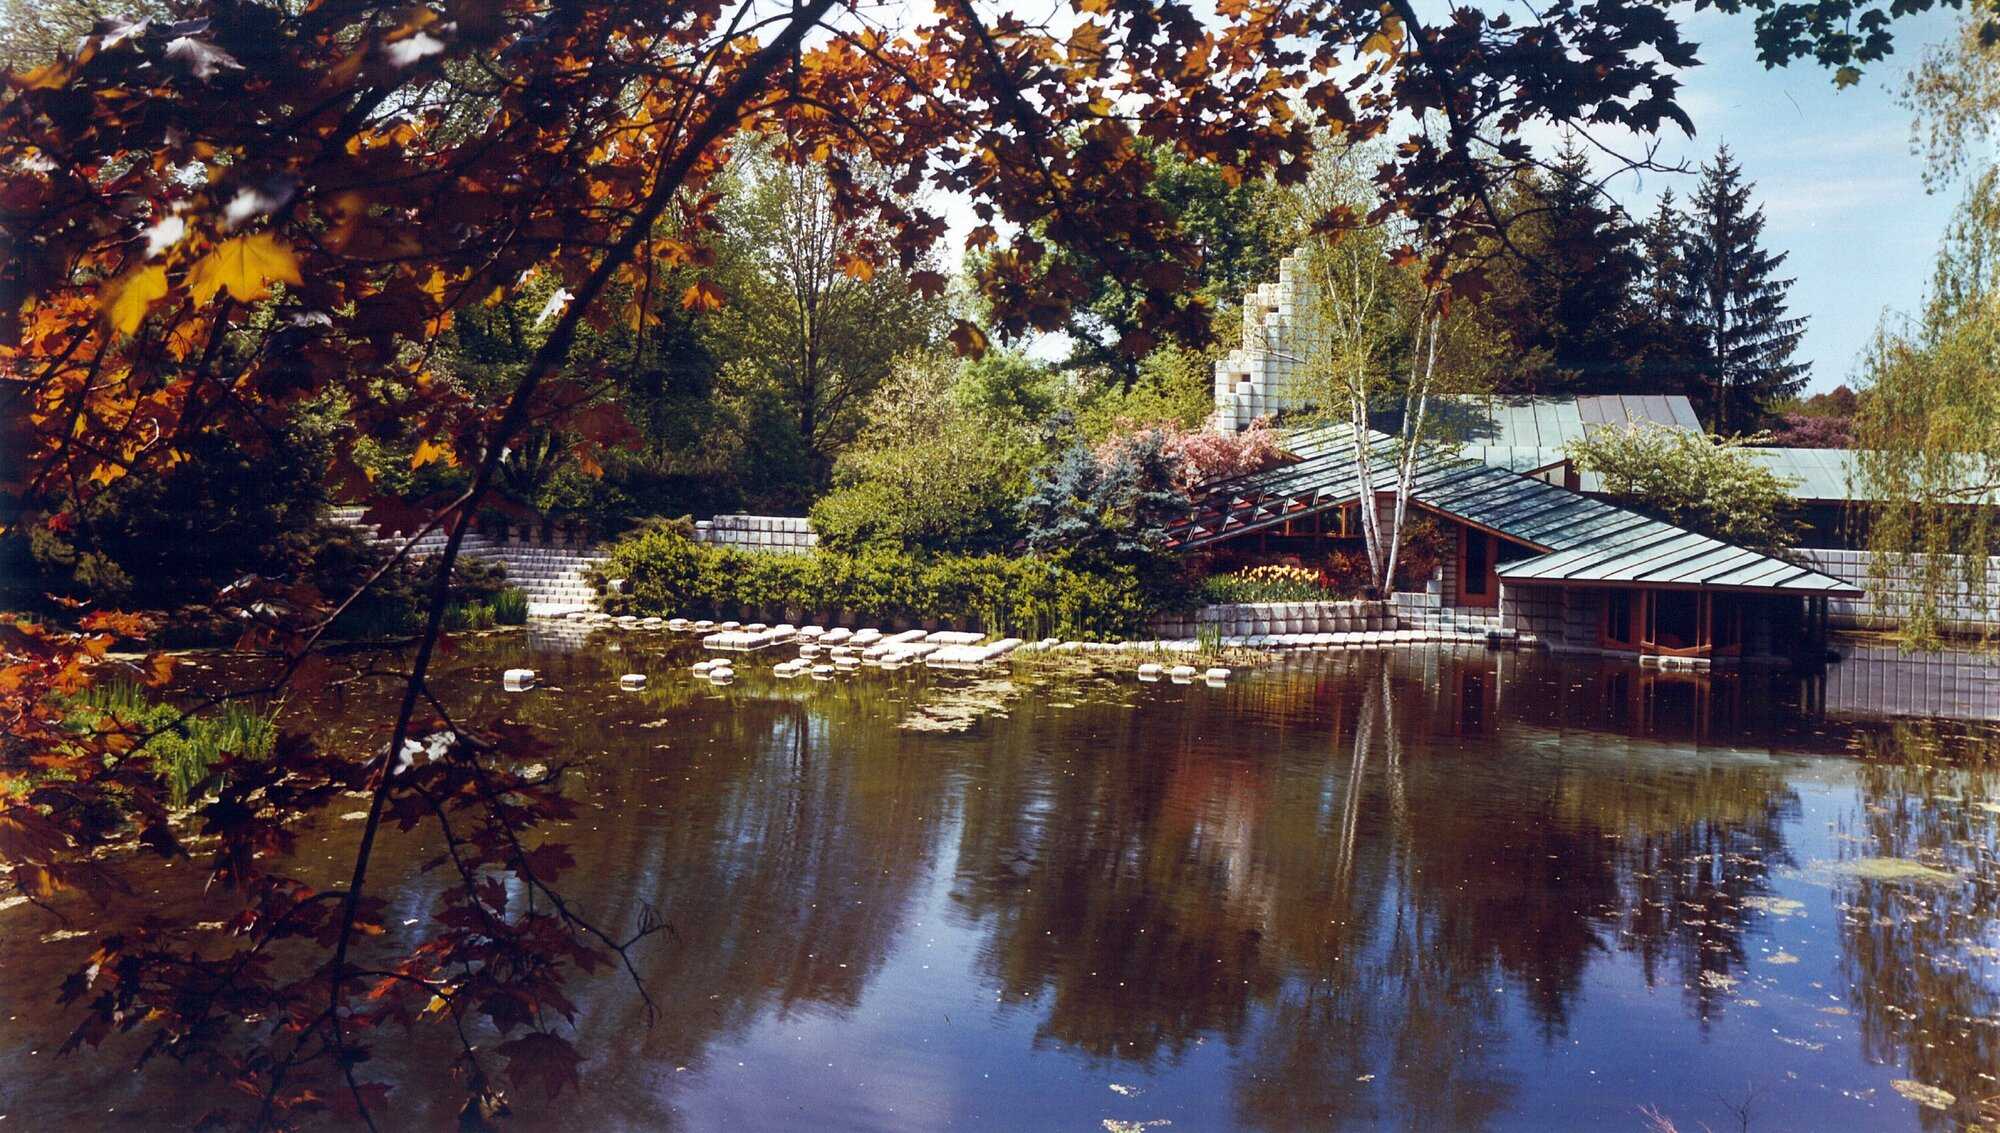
pixel 213 221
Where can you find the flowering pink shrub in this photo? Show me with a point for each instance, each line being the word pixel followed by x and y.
pixel 1199 455
pixel 1802 431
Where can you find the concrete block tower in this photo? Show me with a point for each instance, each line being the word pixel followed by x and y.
pixel 1265 374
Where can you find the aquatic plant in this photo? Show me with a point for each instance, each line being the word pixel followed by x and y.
pixel 184 746
pixel 510 607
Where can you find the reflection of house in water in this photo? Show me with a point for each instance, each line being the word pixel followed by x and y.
pixel 1883 681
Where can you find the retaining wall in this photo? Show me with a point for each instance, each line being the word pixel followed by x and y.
pixel 548 565
pixel 1249 618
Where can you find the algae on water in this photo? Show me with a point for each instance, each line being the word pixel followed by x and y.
pixel 1890 869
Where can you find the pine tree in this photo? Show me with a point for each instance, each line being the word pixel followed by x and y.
pixel 1565 300
pixel 1668 354
pixel 1735 305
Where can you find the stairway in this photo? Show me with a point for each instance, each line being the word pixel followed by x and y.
pixel 551 576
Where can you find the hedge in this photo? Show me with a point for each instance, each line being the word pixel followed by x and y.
pixel 670 575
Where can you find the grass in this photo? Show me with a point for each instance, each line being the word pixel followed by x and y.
pixel 184 749
pixel 510 607
pixel 507 608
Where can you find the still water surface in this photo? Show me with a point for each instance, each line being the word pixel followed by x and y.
pixel 1427 890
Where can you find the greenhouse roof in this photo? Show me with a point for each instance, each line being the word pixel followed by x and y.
pixel 1549 423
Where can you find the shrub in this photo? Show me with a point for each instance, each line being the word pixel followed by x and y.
pixel 670 574
pixel 663 569
pixel 1704 484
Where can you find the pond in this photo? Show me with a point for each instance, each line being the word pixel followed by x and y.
pixel 1428 890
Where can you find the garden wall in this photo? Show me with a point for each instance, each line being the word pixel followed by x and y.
pixel 1882 607
pixel 785 534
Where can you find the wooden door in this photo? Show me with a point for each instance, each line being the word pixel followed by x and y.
pixel 1478 554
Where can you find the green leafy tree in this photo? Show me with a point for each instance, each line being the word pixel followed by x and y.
pixel 1732 298
pixel 1238 237
pixel 1175 386
pixel 1954 91
pixel 1928 419
pixel 1705 484
pixel 811 325
pixel 1929 430
pixel 941 464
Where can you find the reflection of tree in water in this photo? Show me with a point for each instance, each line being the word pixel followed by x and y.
pixel 1351 908
pixel 1108 887
pixel 1922 955
pixel 781 839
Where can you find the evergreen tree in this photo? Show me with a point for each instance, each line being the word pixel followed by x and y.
pixel 1736 305
pixel 1669 355
pixel 1562 293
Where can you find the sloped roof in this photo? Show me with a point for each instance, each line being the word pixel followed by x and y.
pixel 1812 473
pixel 1549 423
pixel 1582 540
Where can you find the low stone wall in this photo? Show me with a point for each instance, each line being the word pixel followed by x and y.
pixel 1884 607
pixel 1247 619
pixel 785 534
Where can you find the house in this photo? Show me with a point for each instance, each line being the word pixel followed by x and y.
pixel 1531 548
pixel 1578 572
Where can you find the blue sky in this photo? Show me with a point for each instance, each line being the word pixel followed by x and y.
pixel 1842 192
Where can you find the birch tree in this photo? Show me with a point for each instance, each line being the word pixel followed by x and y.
pixel 1371 342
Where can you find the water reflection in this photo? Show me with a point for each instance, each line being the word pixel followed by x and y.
pixel 1426 890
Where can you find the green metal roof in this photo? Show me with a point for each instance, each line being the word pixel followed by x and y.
pixel 1583 540
pixel 1496 421
pixel 1813 473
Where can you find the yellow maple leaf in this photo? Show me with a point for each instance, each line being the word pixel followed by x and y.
pixel 245 265
pixel 124 300
pixel 429 452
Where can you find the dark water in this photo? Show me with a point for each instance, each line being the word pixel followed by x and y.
pixel 1423 891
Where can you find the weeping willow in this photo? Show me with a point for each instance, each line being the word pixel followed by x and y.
pixel 1929 433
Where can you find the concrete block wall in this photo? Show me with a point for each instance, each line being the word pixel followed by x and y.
pixel 1885 607
pixel 551 573
pixel 1248 618
pixel 785 534
pixel 1540 610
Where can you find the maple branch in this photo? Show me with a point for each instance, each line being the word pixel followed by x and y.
pixel 554 351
